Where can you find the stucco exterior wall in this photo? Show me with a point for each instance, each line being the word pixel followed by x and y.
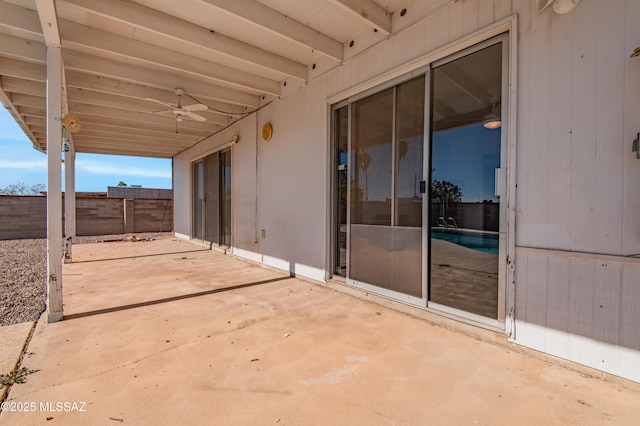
pixel 279 186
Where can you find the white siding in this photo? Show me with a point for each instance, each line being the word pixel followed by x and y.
pixel 580 307
pixel 577 182
pixel 574 130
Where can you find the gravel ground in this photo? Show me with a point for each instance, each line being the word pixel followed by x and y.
pixel 23 272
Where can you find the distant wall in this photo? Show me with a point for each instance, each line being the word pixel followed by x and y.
pixel 99 216
pixel 26 216
pixel 152 215
pixel 132 192
pixel 23 217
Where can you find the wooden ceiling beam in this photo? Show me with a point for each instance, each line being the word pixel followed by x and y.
pixel 91 148
pixel 168 126
pixel 272 20
pixel 24 70
pixel 123 88
pixel 133 139
pixel 369 12
pixel 163 80
pixel 81 108
pixel 19 18
pixel 169 26
pixel 132 104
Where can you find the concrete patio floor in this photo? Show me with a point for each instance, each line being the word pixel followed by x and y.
pixel 167 332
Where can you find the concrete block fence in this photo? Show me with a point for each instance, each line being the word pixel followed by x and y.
pixel 26 216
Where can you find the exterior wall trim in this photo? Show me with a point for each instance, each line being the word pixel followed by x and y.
pixel 576 255
pixel 506 26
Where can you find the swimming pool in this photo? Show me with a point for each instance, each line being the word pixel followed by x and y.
pixel 480 241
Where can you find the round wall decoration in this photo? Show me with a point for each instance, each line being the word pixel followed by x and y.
pixel 267 131
pixel 71 123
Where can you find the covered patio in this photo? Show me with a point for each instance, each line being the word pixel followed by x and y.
pixel 171 332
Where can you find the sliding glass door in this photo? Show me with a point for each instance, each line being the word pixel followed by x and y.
pixel 465 161
pixel 385 203
pixel 417 185
pixel 212 198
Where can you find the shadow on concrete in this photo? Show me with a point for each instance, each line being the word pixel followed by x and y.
pixel 140 255
pixel 170 299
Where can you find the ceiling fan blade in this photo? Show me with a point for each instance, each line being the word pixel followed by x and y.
pixel 196 107
pixel 165 113
pixel 167 104
pixel 195 116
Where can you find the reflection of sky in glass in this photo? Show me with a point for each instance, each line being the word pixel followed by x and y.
pixel 468 156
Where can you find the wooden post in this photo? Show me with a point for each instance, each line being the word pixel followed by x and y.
pixel 69 203
pixel 54 184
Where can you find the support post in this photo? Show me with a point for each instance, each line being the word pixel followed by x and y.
pixel 69 203
pixel 54 184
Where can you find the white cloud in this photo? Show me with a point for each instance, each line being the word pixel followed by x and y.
pixel 32 165
pixel 98 168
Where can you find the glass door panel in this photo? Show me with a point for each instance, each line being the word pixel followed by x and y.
pixel 410 152
pixel 198 200
pixel 212 198
pixel 225 198
pixel 371 182
pixel 407 211
pixel 465 153
pixel 341 141
pixel 387 149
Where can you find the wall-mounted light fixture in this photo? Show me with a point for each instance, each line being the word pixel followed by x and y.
pixel 267 132
pixel 559 6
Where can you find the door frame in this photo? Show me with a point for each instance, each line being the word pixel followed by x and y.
pixel 200 159
pixel 508 30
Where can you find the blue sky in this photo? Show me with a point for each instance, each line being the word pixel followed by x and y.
pixel 20 163
pixel 468 156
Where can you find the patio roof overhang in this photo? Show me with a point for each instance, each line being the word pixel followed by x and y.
pixel 125 69
pixel 121 57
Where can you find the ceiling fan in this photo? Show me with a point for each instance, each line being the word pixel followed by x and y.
pixel 180 111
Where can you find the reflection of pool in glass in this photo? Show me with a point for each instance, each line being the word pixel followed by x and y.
pixel 480 241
